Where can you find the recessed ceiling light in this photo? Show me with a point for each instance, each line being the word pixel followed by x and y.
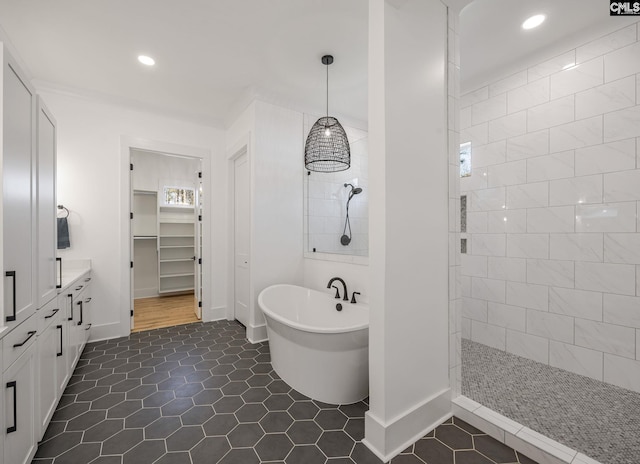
pixel 144 59
pixel 533 21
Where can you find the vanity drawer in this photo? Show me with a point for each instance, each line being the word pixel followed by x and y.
pixel 18 340
pixel 47 314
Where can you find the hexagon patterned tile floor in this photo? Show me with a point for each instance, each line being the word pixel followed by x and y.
pixel 202 394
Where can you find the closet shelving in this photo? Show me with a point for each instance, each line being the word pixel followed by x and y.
pixel 176 249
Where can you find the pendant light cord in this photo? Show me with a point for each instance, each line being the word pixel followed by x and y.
pixel 327 65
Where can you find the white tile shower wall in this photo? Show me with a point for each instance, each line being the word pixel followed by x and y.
pixel 552 272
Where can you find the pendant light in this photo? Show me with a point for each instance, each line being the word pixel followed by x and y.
pixel 327 147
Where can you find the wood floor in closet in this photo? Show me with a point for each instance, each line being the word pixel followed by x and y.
pixel 163 311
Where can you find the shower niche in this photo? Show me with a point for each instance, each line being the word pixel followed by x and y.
pixel 337 205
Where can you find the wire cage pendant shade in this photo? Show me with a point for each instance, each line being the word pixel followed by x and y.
pixel 327 146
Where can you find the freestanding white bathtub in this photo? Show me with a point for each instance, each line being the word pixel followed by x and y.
pixel 321 352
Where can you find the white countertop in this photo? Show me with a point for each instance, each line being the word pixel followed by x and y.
pixel 73 269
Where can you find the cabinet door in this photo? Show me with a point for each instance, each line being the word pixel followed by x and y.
pixel 46 204
pixel 69 350
pixel 62 363
pixel 84 325
pixel 48 348
pixel 18 205
pixel 19 382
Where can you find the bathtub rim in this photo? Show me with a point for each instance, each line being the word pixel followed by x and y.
pixel 305 328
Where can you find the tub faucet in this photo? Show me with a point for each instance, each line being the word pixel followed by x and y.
pixel 346 298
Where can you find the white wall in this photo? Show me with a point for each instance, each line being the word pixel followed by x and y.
pixel 552 271
pixel 89 184
pixel 274 137
pixel 409 223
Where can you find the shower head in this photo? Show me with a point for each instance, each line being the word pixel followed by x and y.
pixel 354 190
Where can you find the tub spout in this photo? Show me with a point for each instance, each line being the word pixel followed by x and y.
pixel 345 298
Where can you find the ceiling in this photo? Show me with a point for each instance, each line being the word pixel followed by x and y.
pixel 213 56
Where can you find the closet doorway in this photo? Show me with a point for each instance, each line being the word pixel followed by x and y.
pixel 166 239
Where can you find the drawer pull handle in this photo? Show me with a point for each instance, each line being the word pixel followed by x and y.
pixel 60 327
pixel 59 260
pixel 80 303
pixel 87 300
pixel 12 274
pixel 30 334
pixel 79 287
pixel 88 327
pixel 14 385
pixel 88 279
pixel 52 314
pixel 70 296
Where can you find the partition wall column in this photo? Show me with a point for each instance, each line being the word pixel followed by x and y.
pixel 409 333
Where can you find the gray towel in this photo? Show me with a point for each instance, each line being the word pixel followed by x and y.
pixel 63 233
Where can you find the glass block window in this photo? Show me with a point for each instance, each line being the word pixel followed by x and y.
pixel 179 196
pixel 465 159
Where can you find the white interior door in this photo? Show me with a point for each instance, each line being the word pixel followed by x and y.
pixel 241 239
pixel 198 249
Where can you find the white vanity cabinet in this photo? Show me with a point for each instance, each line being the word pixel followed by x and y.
pixel 18 194
pixel 76 303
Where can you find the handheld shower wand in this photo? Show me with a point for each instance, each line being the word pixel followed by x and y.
pixel 346 239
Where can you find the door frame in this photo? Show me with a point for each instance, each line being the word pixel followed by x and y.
pixel 126 145
pixel 243 147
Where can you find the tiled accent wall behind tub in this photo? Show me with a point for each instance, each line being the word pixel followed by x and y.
pixel 552 269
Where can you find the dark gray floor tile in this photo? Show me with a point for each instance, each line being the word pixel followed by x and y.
pixel 331 419
pixel 175 458
pixel 493 449
pixel 355 429
pixel 259 380
pixel 108 401
pixel 103 430
pixel 245 435
pixel 124 409
pixel 142 418
pixel 125 385
pixel 236 387
pixel 210 449
pixel 188 390
pixel 111 380
pixel 278 402
pixel 208 396
pixel 220 424
pixel 146 452
pixel 362 455
pixel 216 381
pixel 308 454
pixel 407 459
pixel 430 449
pixel 522 459
pixel 141 392
pixel 177 407
pixel 197 415
pixel 301 410
pixel 107 460
pixel 158 399
pixel 122 442
pixel 185 438
pixel 355 410
pixel 454 437
pixel 86 420
pixel 467 427
pixel 81 454
pixel 304 432
pixel 276 421
pixel 70 411
pixel 251 412
pixel 240 456
pixel 471 457
pixel 58 444
pixel 336 444
pixel 273 447
pixel 162 427
pixel 228 404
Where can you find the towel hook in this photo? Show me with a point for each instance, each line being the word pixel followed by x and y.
pixel 63 207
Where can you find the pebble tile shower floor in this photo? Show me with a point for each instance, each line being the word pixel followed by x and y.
pixel 593 417
pixel 202 394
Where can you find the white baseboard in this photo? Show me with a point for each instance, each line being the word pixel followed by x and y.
pixel 145 292
pixel 257 334
pixel 106 332
pixel 388 440
pixel 214 314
